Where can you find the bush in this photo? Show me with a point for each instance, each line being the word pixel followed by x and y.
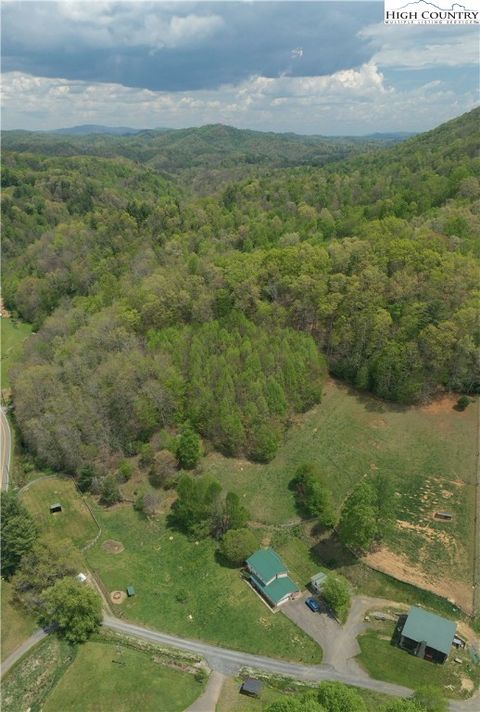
pixel 125 471
pixel 336 593
pixel 463 402
pixel 146 455
pixel 237 545
pixel 201 675
pixel 163 469
pixel 110 492
pixel 263 444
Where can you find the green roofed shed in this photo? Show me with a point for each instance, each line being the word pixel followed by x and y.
pixel 130 591
pixel 431 635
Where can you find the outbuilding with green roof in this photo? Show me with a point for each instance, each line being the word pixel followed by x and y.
pixel 427 635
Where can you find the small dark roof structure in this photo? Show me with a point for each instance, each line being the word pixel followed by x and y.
pixel 251 687
pixel 424 627
pixel 130 591
pixel 57 507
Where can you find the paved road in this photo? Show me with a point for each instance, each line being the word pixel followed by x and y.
pixel 229 662
pixel 6 450
pixel 208 701
pixel 339 643
pixel 24 648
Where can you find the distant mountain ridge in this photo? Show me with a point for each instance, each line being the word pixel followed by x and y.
pixel 86 129
pixel 214 147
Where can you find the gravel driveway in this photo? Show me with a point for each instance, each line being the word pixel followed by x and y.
pixel 339 643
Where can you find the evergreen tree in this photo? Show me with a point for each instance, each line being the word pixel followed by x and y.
pixel 18 532
pixel 188 451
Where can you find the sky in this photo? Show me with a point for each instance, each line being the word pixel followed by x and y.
pixel 330 68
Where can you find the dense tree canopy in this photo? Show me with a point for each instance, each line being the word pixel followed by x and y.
pixel 155 306
pixel 73 608
pixel 18 532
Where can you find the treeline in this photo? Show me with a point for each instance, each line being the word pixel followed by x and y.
pixel 93 390
pixel 42 572
pixel 155 308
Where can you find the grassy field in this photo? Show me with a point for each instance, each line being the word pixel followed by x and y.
pixel 16 626
pixel 183 589
pixel 13 335
pixel 428 452
pixel 104 677
pixel 56 677
pixel 74 521
pixel 384 661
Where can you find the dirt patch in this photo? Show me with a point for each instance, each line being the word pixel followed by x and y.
pixel 112 546
pixel 118 597
pixel 446 494
pixel 443 404
pixel 467 684
pixel 3 310
pixel 398 566
pixel 379 423
pixel 429 533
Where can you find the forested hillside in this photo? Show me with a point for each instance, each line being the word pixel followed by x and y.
pixel 154 307
pixel 208 147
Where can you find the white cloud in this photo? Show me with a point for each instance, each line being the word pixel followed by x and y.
pixel 421 46
pixel 353 101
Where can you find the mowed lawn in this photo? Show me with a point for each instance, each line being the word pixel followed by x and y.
pixel 13 335
pixel 182 588
pixel 105 677
pixel 428 452
pixel 16 626
pixel 384 661
pixel 74 521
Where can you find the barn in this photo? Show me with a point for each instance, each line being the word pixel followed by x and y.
pixel 427 635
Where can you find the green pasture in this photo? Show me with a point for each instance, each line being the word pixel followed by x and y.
pixel 74 521
pixel 182 588
pixel 16 626
pixel 13 333
pixel 105 677
pixel 429 453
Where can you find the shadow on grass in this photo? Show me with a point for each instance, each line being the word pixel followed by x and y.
pixel 223 561
pixel 371 403
pixel 331 553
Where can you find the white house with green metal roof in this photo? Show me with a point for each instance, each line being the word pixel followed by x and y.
pixel 269 576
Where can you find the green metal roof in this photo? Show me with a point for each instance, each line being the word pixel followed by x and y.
pixel 266 564
pixel 278 589
pixel 435 631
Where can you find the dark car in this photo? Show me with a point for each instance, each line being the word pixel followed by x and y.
pixel 313 604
